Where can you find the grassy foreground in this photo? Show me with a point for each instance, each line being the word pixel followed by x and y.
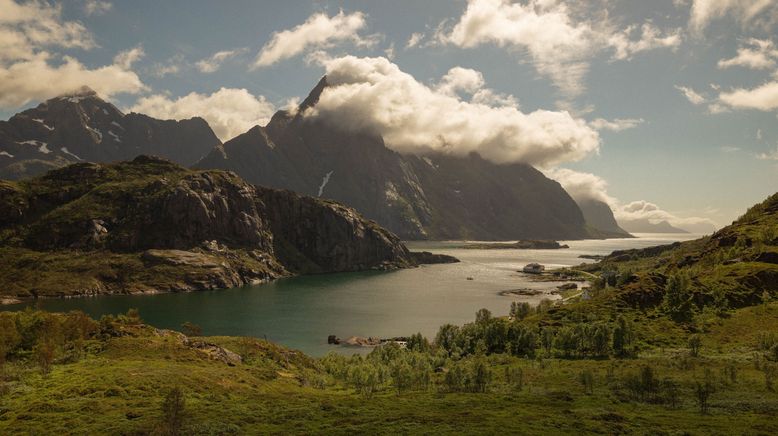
pixel 117 379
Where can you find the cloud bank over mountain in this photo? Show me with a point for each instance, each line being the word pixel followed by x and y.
pixel 457 116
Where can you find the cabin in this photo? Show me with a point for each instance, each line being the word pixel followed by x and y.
pixel 534 268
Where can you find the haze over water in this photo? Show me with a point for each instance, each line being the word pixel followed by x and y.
pixel 301 312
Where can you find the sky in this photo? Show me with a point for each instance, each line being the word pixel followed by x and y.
pixel 666 110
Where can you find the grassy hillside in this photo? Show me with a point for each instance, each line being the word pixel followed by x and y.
pixel 118 379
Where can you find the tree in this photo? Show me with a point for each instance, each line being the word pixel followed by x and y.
pixel 191 329
pixel 447 337
pixel 520 310
pixel 695 343
pixel 481 375
pixel 418 343
pixel 173 411
pixel 703 390
pixel 483 316
pixel 677 300
pixel 622 337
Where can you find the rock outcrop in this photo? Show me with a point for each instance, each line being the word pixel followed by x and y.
pixel 415 197
pixel 81 127
pixel 160 227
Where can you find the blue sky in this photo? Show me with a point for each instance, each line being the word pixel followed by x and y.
pixel 690 81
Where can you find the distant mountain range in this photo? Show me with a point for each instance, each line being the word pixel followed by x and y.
pixel 81 127
pixel 416 197
pixel 646 226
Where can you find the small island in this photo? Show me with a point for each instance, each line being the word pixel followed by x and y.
pixel 518 245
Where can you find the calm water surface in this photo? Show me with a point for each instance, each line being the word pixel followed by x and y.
pixel 300 312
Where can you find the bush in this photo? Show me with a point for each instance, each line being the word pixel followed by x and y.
pixel 520 310
pixel 694 343
pixel 173 408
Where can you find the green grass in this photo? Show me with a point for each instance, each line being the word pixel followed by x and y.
pixel 119 386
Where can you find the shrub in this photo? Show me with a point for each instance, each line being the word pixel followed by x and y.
pixel 694 343
pixel 173 411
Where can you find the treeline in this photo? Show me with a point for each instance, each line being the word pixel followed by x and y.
pixel 45 338
pixel 489 335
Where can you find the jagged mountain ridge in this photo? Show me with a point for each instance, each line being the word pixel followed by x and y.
pixel 81 127
pixel 417 197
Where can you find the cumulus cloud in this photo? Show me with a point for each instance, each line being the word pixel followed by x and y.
pixel 558 41
pixel 757 54
pixel 373 94
pixel 229 111
pixel 764 97
pixel 583 186
pixel 214 62
pixel 37 79
pixel 747 12
pixel 616 125
pixel 28 71
pixel 414 40
pixel 97 7
pixel 586 187
pixel 318 31
pixel 26 27
pixel 126 58
pixel 693 96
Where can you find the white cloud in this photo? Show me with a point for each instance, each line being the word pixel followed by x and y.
pixel 747 12
pixel 25 28
pixel 559 43
pixel 126 58
pixel 583 186
pixel 36 79
pixel 764 97
pixel 97 7
pixel 650 38
pixel 759 54
pixel 373 94
pixel 586 186
pixel 414 40
pixel 229 111
pixel 693 96
pixel 770 155
pixel 390 52
pixel 616 125
pixel 318 31
pixel 729 149
pixel 215 61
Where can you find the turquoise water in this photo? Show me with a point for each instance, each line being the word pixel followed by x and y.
pixel 300 312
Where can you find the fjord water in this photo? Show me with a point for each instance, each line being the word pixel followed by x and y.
pixel 301 312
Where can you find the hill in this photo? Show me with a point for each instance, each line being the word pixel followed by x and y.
pixel 149 225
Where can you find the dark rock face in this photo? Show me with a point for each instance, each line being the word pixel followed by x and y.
pixel 600 216
pixel 311 236
pixel 211 228
pixel 82 127
pixel 433 197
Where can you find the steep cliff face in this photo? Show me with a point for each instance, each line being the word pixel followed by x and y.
pixel 81 127
pixel 432 197
pixel 599 216
pixel 312 235
pixel 162 227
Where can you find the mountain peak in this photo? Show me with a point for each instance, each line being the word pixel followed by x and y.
pixel 313 96
pixel 82 92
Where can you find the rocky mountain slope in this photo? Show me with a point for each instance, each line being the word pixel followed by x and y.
pixel 599 216
pixel 435 197
pixel 81 127
pixel 150 225
pixel 734 267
